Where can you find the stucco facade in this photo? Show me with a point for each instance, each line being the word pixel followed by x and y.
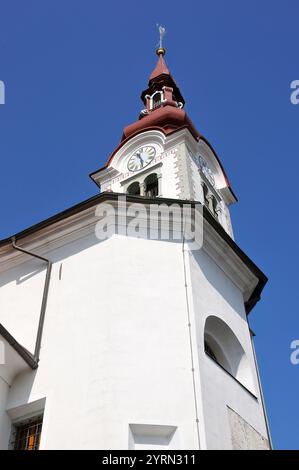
pixel 123 340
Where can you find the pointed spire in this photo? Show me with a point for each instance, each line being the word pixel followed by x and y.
pixel 162 89
pixel 161 67
pixel 163 101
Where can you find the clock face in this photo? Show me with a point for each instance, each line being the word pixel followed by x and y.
pixel 206 170
pixel 141 158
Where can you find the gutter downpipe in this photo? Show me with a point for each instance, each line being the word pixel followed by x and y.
pixel 44 299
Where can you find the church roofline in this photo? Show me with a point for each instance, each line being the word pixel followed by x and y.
pixel 110 196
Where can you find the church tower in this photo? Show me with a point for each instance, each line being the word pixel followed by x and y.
pixel 117 339
pixel 163 155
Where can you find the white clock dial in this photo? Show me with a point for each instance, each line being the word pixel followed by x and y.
pixel 206 170
pixel 141 158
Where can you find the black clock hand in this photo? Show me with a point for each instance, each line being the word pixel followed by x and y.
pixel 140 158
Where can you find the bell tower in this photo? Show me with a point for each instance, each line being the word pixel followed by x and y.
pixel 162 154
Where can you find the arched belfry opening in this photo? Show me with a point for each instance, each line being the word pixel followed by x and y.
pixel 205 194
pixel 134 189
pixel 156 99
pixel 151 185
pixel 223 346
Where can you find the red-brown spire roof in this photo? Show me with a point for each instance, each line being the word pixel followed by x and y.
pixel 161 68
pixel 161 77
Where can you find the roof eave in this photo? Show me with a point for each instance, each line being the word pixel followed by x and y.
pixel 262 279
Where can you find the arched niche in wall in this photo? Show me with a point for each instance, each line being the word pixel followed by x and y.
pixel 134 189
pixel 222 345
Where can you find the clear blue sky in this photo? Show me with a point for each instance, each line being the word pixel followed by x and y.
pixel 74 71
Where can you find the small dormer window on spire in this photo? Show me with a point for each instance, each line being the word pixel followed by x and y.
pixel 156 100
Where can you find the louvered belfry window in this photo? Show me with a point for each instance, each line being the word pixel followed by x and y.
pixel 27 434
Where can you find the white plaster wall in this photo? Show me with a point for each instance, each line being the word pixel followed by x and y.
pixel 21 291
pixel 116 351
pixel 215 294
pixel 169 178
pixel 115 348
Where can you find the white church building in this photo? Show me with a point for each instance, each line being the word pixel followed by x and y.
pixel 117 329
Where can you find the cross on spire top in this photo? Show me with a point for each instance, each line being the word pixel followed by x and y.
pixel 162 31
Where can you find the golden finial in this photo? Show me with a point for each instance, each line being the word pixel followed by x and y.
pixel 162 31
